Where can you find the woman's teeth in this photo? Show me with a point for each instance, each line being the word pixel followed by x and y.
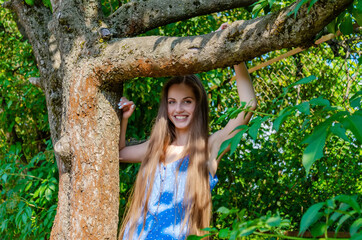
pixel 180 117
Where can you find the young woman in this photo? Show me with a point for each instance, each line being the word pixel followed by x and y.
pixel 172 194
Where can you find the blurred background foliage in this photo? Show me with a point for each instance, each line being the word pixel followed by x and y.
pixel 264 174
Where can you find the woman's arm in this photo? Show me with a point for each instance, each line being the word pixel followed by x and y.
pixel 130 154
pixel 246 94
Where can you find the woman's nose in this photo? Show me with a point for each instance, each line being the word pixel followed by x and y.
pixel 179 107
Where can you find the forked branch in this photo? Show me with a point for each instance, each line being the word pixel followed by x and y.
pixel 156 56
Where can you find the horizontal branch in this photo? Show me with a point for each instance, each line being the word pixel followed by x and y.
pixel 138 17
pixel 156 56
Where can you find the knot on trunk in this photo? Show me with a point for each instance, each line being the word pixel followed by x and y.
pixel 62 148
pixel 104 33
pixel 36 81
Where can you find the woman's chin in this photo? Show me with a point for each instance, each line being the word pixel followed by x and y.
pixel 182 127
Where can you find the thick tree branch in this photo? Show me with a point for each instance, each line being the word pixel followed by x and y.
pixel 140 16
pixel 166 56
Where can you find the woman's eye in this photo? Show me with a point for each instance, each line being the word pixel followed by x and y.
pixel 188 101
pixel 171 102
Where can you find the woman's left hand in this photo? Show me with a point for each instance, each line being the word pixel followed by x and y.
pixel 222 27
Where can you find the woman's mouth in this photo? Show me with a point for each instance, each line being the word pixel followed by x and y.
pixel 180 117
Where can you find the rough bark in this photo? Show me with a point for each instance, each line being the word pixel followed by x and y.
pixel 82 81
pixel 140 16
pixel 128 58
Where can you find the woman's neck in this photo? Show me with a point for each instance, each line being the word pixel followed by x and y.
pixel 182 138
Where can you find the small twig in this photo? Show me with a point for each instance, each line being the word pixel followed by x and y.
pixel 260 113
pixel 290 237
pixel 110 4
pixel 345 98
pixel 25 175
pixel 31 205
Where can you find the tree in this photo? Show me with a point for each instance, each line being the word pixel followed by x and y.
pixel 84 57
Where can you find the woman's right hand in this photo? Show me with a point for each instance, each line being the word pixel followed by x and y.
pixel 127 107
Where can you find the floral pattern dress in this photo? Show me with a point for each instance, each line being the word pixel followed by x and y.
pixel 164 219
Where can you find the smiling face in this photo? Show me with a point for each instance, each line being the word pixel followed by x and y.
pixel 181 104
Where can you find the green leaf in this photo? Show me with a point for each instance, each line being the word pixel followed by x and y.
pixel 24 217
pixel 314 150
pixel 28 211
pixel 351 201
pixel 224 233
pixel 209 229
pixel 247 231
pixel 281 118
pixel 30 2
pixel 271 2
pixel 10 103
pixel 52 186
pixel 331 27
pixel 346 26
pixel 258 7
pixel 235 141
pixel 357 236
pixel 253 130
pixel 223 210
pixel 36 193
pixel 274 221
pixel 28 186
pixel 311 4
pixel 194 237
pixel 355 226
pixel 48 194
pixel 242 127
pixel 233 235
pixel 358 16
pixel 304 80
pixel 355 100
pixel 359 5
pixel 4 177
pixel 344 218
pixel 235 113
pixel 339 131
pixel 304 108
pixel 310 217
pixel 48 4
pixel 318 229
pixel 221 118
pixel 343 207
pixel 223 146
pixel 320 101
pixel 353 123
pixel 295 10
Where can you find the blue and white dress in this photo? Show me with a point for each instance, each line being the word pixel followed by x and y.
pixel 164 219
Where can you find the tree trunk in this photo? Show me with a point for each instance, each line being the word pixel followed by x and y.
pixel 89 185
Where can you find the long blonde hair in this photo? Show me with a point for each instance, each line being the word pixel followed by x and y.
pixel 197 193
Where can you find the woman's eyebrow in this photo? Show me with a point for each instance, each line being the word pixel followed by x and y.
pixel 170 98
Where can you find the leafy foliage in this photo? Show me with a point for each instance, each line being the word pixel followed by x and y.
pixel 334 211
pixel 30 193
pixel 344 22
pixel 28 173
